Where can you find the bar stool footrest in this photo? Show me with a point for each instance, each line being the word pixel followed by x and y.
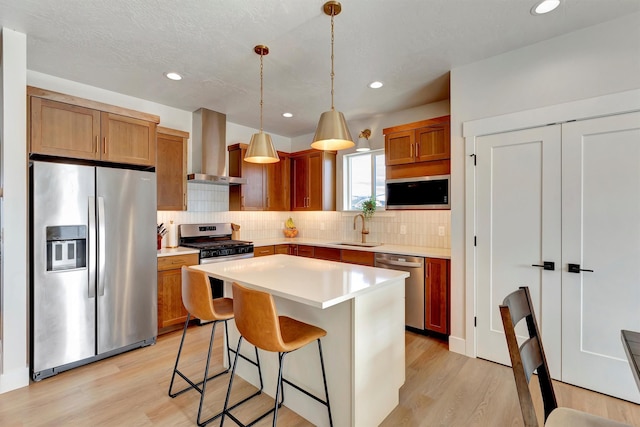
pixel 193 385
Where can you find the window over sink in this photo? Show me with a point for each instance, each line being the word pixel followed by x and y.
pixel 364 176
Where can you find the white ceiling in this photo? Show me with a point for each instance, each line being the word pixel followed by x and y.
pixel 126 46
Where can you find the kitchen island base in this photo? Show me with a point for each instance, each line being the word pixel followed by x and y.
pixel 362 310
pixel 363 352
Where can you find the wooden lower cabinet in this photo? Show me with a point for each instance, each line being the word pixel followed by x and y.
pixel 357 257
pixel 437 295
pixel 329 254
pixel 282 249
pixel 306 251
pixel 263 251
pixel 171 312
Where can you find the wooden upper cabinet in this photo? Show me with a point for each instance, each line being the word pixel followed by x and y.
pixel 66 126
pixel 171 169
pixel 418 149
pixel 64 130
pixel 128 140
pixel 399 147
pixel 267 186
pixel 433 143
pixel 313 180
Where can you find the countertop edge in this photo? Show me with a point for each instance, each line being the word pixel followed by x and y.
pixel 442 253
pixel 176 251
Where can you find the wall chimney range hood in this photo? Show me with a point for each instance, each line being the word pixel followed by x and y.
pixel 209 149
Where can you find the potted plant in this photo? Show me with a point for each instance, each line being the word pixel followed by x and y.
pixel 369 208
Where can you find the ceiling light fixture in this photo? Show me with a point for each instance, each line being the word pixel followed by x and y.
pixel 363 141
pixel 332 132
pixel 544 6
pixel 376 85
pixel 287 115
pixel 173 76
pixel 261 148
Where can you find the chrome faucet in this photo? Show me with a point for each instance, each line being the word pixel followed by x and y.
pixel 364 228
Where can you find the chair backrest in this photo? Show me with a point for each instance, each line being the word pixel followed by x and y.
pixel 256 318
pixel 196 294
pixel 528 357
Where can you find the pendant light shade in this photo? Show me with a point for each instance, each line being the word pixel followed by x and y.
pixel 261 148
pixel 332 132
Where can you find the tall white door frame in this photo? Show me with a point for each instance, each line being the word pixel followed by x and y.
pixel 618 103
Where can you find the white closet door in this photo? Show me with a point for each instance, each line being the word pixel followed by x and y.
pixel 518 224
pixel 601 232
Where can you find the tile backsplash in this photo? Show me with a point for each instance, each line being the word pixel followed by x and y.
pixel 210 203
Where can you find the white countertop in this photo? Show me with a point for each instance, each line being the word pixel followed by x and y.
pixel 314 282
pixel 177 251
pixel 384 248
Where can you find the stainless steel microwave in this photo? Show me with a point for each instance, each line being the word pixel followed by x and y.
pixel 424 192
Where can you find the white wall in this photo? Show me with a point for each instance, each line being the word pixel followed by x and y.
pixel 13 311
pixel 599 60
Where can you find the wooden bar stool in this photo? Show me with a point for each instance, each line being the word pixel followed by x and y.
pixel 258 323
pixel 198 300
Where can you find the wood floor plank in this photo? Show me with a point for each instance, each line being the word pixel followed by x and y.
pixel 441 389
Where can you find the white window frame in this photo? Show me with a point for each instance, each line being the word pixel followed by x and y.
pixel 347 177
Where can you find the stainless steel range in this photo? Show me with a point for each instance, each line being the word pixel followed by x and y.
pixel 214 242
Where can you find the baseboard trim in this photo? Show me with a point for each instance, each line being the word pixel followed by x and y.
pixel 15 379
pixel 457 345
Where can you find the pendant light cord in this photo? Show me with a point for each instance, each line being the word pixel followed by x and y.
pixel 332 73
pixel 261 68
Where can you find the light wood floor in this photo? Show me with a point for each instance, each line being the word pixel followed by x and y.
pixel 441 389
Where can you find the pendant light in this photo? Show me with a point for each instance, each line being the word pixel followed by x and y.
pixel 332 132
pixel 261 148
pixel 363 141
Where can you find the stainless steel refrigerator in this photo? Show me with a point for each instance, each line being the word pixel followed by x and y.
pixel 93 264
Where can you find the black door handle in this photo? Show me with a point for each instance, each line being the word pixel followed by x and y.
pixel 575 268
pixel 547 265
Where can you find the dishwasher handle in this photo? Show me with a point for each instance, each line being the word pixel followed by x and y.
pixel 399 263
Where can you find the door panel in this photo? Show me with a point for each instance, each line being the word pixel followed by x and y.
pixel 601 232
pixel 518 224
pixel 127 309
pixel 63 314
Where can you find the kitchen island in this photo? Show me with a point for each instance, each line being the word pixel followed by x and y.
pixel 362 310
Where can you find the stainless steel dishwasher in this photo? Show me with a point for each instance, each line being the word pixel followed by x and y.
pixel 414 285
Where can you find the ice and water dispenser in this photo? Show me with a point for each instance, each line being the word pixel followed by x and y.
pixel 66 247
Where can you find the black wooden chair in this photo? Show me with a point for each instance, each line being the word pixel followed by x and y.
pixel 528 357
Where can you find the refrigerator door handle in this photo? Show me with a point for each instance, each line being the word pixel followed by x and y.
pixel 102 244
pixel 92 247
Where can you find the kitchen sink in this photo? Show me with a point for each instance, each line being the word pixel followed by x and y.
pixel 366 245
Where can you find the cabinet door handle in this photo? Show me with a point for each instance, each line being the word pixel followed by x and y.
pixel 95 149
pixel 547 265
pixel 104 147
pixel 575 268
pixel 411 151
pixel 417 150
pixel 242 201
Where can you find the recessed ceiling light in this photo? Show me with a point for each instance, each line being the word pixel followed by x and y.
pixel 376 85
pixel 173 76
pixel 287 115
pixel 544 6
